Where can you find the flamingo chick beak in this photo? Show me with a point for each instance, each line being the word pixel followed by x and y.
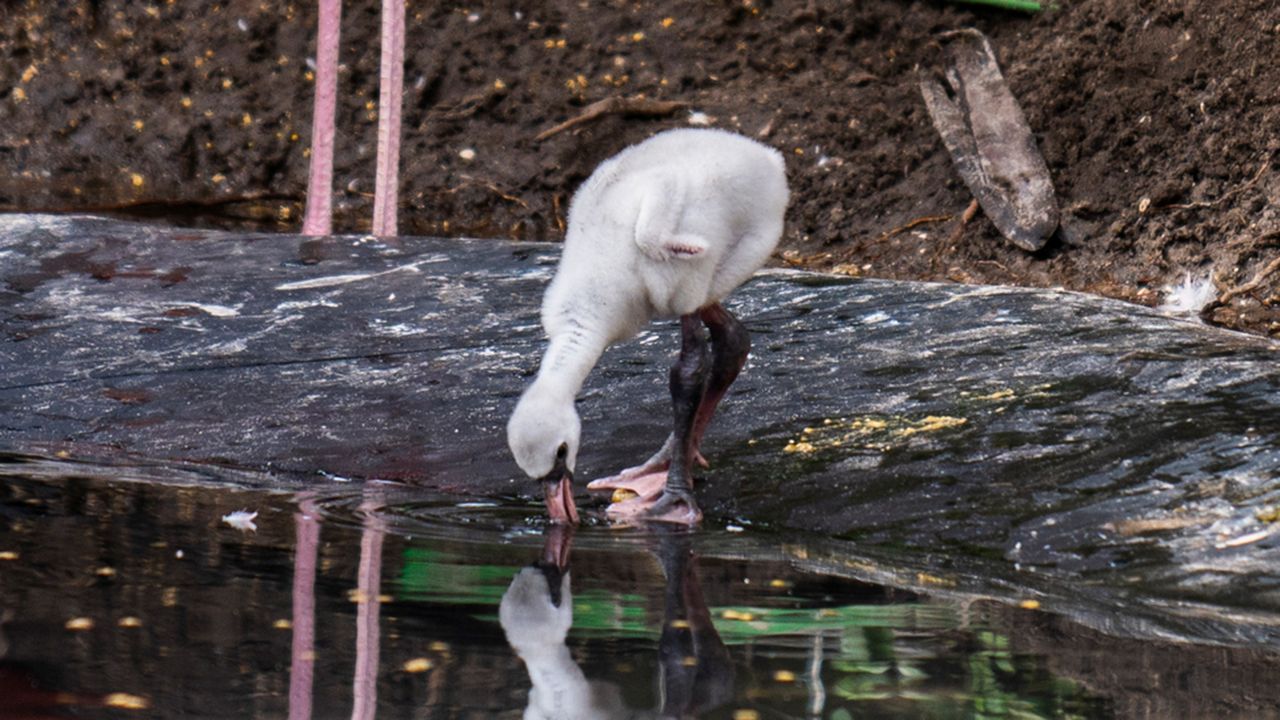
pixel 557 486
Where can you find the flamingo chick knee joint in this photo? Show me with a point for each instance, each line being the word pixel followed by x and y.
pixel 665 229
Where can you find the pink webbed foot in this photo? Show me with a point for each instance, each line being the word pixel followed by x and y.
pixel 664 505
pixel 627 484
pixel 638 479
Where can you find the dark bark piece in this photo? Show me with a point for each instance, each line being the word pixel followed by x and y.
pixel 984 129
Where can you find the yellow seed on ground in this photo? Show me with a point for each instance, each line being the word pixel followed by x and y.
pixel 668 22
pixel 138 125
pixel 246 119
pixel 282 624
pixel 29 73
pixel 217 178
pixel 19 95
pixel 680 624
pixel 418 665
pixel 438 646
pixel 637 36
pixel 779 583
pixel 8 555
pixel 186 102
pixel 129 622
pixel 136 179
pixel 125 701
pixel 784 676
pixel 746 714
pixel 1029 604
pixel 80 623
pixel 927 579
pixel 689 661
pixel 105 572
pixel 931 424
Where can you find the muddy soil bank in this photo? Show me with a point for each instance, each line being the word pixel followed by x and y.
pixel 1159 121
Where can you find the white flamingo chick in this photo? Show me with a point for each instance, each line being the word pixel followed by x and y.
pixel 666 228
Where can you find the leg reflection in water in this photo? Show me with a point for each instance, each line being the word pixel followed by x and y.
pixel 536 612
pixel 697 674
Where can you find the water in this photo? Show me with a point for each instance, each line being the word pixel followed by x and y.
pixel 132 598
pixel 123 597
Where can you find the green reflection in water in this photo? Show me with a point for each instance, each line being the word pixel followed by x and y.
pixel 903 659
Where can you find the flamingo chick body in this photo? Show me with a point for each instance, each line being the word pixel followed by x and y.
pixel 666 228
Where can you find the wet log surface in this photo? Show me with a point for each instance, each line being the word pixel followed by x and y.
pixel 956 439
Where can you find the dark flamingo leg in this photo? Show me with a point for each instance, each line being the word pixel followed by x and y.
pixel 730 345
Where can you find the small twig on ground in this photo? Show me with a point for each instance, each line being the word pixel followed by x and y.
pixel 616 105
pixel 914 223
pixel 469 105
pixel 1250 286
pixel 470 180
pixel 1225 196
pixel 965 218
pixel 999 265
pixel 767 130
pixel 556 203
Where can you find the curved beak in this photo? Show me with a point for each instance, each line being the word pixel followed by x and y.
pixel 557 487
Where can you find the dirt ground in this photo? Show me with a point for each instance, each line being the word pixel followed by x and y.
pixel 1159 121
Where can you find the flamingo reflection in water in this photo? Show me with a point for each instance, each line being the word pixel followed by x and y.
pixel 695 671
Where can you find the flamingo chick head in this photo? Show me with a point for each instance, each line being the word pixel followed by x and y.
pixel 543 434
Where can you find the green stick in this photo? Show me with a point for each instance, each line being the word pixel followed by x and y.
pixel 1025 5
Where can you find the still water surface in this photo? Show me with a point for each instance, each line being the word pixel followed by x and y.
pixel 122 598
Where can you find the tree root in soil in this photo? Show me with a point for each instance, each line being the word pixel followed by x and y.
pixel 1248 287
pixel 1225 196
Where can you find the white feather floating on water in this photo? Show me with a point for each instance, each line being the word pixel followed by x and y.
pixel 1190 296
pixel 241 520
